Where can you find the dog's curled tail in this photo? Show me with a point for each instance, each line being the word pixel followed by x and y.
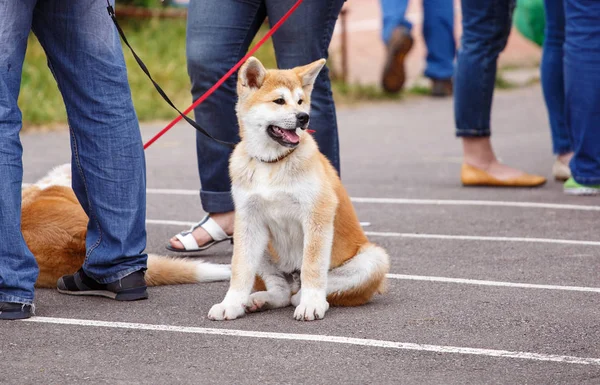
pixel 357 280
pixel 164 270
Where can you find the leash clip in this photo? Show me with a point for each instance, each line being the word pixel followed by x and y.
pixel 110 9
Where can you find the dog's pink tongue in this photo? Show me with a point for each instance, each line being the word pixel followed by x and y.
pixel 291 136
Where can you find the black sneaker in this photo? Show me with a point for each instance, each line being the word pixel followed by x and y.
pixel 129 288
pixel 11 310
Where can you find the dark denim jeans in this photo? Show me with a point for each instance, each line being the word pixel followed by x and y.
pixel 582 87
pixel 553 83
pixel 219 33
pixel 85 56
pixel 486 26
pixel 438 31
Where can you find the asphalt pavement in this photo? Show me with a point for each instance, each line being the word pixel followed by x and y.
pixel 487 285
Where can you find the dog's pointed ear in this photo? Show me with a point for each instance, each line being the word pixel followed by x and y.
pixel 252 74
pixel 309 72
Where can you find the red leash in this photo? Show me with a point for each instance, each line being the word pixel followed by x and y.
pixel 226 76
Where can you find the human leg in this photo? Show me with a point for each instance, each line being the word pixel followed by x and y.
pixel 108 163
pixel 398 40
pixel 18 268
pixel 438 31
pixel 219 33
pixel 304 38
pixel 582 94
pixel 486 27
pixel 553 86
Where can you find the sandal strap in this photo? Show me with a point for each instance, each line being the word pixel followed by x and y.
pixel 187 240
pixel 213 229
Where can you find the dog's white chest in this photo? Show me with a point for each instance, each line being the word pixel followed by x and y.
pixel 282 207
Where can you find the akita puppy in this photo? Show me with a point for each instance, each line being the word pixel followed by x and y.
pixel 54 226
pixel 289 200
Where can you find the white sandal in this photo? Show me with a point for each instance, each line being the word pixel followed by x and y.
pixel 189 243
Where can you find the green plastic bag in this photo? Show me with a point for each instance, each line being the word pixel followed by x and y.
pixel 530 20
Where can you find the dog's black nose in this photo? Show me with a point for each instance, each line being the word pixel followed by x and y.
pixel 302 119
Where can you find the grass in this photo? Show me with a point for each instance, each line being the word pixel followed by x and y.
pixel 503 84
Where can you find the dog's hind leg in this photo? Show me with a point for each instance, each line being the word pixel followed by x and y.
pixel 278 291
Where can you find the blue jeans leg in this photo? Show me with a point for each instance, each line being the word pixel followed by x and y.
pixel 18 268
pixel 304 38
pixel 219 33
pixel 393 12
pixel 582 94
pixel 438 31
pixel 109 176
pixel 552 75
pixel 486 26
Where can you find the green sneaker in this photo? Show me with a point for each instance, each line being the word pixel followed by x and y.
pixel 573 188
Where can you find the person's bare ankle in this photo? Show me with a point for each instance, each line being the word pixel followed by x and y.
pixel 225 220
pixel 478 152
pixel 565 158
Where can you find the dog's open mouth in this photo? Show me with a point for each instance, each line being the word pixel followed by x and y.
pixel 287 138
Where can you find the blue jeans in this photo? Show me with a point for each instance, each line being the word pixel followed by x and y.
pixel 582 90
pixel 85 56
pixel 438 31
pixel 552 75
pixel 219 33
pixel 486 26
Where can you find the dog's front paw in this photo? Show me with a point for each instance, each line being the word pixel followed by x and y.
pixel 223 311
pixel 310 311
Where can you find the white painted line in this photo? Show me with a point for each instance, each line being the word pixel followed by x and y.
pixel 422 236
pixel 454 202
pixel 478 238
pixel 324 338
pixel 171 223
pixel 189 224
pixel 401 201
pixel 491 283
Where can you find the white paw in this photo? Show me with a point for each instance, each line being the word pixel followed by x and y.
pixel 296 298
pixel 223 311
pixel 257 301
pixel 311 311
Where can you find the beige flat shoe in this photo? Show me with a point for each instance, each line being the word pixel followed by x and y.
pixel 472 176
pixel 561 171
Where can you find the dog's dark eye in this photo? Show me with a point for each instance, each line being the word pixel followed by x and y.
pixel 280 101
pixel 300 101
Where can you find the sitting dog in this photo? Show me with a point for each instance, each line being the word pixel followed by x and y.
pixel 289 200
pixel 54 226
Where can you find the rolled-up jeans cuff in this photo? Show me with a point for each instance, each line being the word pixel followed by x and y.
pixel 216 202
pixel 587 181
pixel 13 299
pixel 472 133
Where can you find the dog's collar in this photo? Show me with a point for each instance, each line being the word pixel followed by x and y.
pixel 278 159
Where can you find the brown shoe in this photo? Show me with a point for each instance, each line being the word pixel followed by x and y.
pixel 441 88
pixel 398 47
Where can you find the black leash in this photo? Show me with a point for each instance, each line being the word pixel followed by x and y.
pixel 111 13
